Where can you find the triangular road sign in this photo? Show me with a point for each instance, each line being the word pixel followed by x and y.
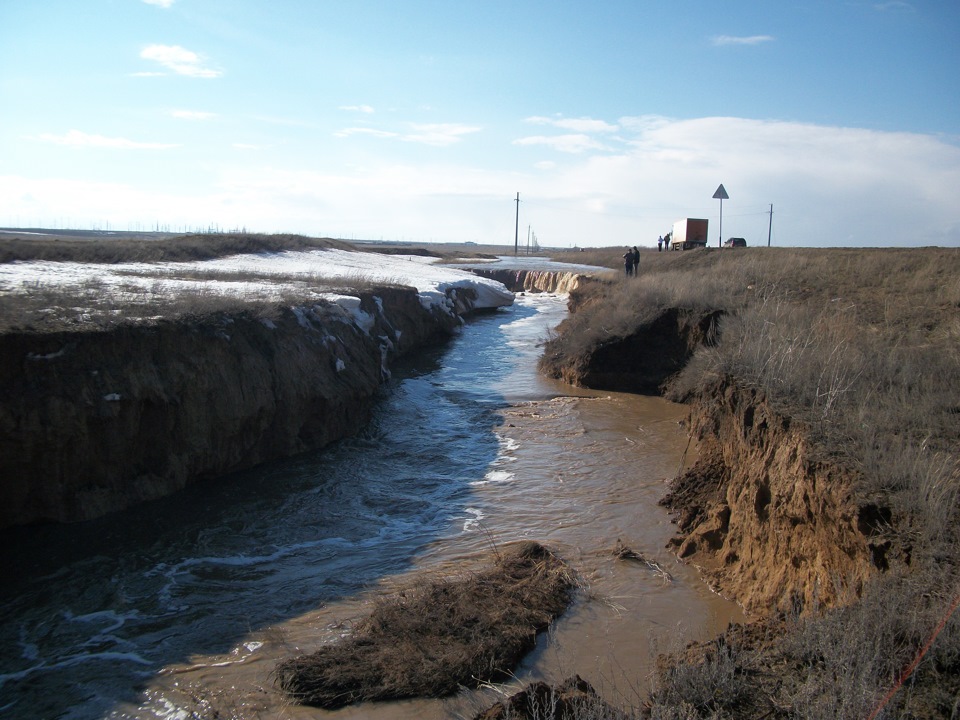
pixel 721 194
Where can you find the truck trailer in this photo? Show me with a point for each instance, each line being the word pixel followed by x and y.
pixel 689 233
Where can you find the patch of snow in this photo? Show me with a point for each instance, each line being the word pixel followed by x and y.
pixel 112 397
pixel 266 276
pixel 351 305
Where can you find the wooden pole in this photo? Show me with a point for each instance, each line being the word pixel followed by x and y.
pixel 516 228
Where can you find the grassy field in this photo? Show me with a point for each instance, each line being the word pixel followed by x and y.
pixel 45 305
pixel 863 347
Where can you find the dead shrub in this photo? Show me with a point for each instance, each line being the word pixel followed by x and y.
pixel 430 640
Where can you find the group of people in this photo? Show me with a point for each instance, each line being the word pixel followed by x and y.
pixel 631 258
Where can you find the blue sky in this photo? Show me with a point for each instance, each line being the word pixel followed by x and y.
pixel 421 120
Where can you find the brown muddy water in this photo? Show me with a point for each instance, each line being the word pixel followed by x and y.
pixel 181 609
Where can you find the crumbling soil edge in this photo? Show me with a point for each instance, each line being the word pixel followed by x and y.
pixel 95 421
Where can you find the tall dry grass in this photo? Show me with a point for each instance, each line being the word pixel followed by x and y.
pixel 136 248
pixel 863 347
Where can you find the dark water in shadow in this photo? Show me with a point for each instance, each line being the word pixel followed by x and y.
pixel 91 610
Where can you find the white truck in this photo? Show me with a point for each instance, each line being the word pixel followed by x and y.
pixel 688 233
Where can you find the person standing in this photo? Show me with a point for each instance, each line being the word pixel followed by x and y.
pixel 660 243
pixel 628 261
pixel 636 260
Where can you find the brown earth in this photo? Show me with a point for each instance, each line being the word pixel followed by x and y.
pixel 92 422
pixel 767 522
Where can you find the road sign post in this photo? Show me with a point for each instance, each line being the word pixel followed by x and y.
pixel 721 195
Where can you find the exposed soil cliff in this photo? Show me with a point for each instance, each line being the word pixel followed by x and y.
pixel 535 280
pixel 766 522
pixel 91 422
pixel 769 525
pixel 641 361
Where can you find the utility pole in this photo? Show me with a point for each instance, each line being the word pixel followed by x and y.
pixel 516 227
pixel 770 226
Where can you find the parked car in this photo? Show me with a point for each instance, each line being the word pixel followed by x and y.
pixel 735 242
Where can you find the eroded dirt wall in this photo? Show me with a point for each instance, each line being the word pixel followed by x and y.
pixel 91 422
pixel 533 280
pixel 769 525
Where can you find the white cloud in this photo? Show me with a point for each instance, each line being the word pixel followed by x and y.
pixel 721 40
pixel 574 143
pixel 436 135
pixel 829 186
pixel 580 125
pixel 75 138
pixel 366 109
pixel 192 114
pixel 439 134
pixel 347 132
pixel 179 60
pixel 160 3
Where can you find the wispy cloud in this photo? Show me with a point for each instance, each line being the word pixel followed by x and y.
pixel 357 108
pixel 721 40
pixel 572 143
pixel 435 134
pixel 347 132
pixel 580 125
pixel 75 138
pixel 192 114
pixel 179 60
pixel 439 134
pixel 894 5
pixel 160 3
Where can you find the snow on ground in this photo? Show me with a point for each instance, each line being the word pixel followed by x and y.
pixel 321 274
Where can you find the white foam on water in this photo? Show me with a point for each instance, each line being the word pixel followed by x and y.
pixel 473 522
pixel 494 477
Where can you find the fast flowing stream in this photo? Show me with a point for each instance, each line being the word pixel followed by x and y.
pixel 181 608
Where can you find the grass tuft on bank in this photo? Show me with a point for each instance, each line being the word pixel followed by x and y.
pixel 431 640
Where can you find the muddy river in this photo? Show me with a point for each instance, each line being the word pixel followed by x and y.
pixel 181 608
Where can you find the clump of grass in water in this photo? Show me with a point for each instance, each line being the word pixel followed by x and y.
pixel 432 640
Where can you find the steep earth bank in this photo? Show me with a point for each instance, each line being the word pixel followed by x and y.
pixel 770 526
pixel 92 422
pixel 535 280
pixel 767 522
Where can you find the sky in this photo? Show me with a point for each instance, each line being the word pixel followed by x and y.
pixel 422 120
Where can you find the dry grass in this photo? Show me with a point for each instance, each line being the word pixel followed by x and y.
pixel 96 304
pixel 861 345
pixel 93 248
pixel 430 640
pixel 863 348
pixel 843 663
